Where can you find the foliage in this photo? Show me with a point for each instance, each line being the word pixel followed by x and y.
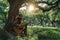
pixel 50 18
pixel 3 12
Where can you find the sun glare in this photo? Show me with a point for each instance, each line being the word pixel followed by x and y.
pixel 30 8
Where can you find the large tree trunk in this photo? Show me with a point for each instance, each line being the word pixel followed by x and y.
pixel 13 12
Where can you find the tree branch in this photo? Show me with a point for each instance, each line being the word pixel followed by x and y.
pixel 52 5
pixel 47 2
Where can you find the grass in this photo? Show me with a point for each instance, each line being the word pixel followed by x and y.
pixel 42 33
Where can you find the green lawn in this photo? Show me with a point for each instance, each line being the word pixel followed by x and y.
pixel 42 33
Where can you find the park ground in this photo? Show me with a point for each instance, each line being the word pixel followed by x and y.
pixel 41 33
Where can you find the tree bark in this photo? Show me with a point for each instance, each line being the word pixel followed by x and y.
pixel 13 11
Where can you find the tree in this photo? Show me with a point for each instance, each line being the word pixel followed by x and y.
pixel 12 14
